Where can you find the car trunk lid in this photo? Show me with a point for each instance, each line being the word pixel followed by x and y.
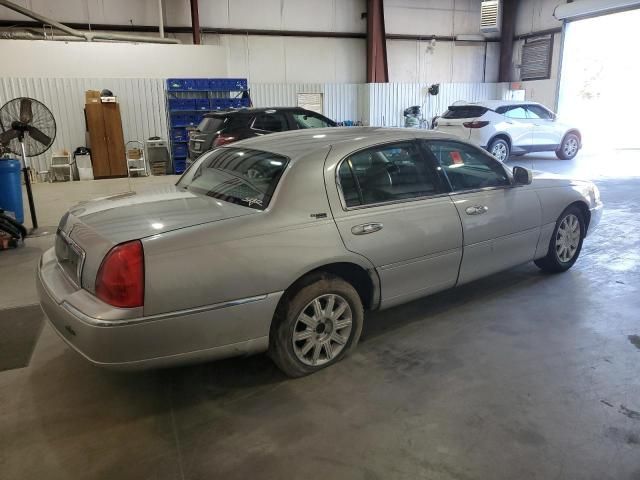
pixel 89 230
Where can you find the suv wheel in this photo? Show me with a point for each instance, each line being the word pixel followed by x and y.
pixel 569 147
pixel 499 148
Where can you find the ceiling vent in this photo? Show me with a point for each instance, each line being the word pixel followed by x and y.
pixel 490 16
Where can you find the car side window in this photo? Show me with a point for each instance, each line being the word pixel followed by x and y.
pixel 516 112
pixel 386 173
pixel 270 122
pixel 467 167
pixel 536 111
pixel 309 120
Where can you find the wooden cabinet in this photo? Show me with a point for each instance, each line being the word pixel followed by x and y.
pixel 107 141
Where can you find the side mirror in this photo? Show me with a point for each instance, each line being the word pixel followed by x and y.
pixel 522 176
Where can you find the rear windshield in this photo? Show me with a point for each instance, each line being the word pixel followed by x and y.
pixel 211 124
pixel 236 175
pixel 464 111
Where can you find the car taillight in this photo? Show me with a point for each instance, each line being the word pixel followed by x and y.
pixel 222 139
pixel 476 124
pixel 120 280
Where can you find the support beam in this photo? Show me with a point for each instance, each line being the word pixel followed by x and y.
pixel 377 69
pixel 509 10
pixel 195 22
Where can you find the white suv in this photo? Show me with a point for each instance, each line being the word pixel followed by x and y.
pixel 507 127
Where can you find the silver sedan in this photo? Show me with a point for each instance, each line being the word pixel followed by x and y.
pixel 280 243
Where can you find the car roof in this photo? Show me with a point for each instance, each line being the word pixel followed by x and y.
pixel 253 111
pixel 493 104
pixel 298 143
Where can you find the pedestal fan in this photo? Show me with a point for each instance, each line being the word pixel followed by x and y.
pixel 27 128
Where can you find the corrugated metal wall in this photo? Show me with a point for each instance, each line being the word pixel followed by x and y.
pixel 388 100
pixel 142 106
pixel 142 102
pixel 340 100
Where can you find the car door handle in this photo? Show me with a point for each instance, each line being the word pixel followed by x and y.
pixel 366 228
pixel 477 210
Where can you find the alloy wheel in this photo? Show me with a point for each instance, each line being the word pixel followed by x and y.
pixel 568 238
pixel 499 151
pixel 570 146
pixel 322 329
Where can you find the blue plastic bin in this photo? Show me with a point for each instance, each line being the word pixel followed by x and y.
pixel 179 119
pixel 11 189
pixel 179 135
pixel 179 165
pixel 180 150
pixel 182 104
pixel 202 104
pixel 175 84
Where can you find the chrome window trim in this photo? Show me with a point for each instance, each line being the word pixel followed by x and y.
pixel 97 322
pixel 81 253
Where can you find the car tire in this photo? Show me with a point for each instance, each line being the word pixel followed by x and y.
pixel 316 325
pixel 566 242
pixel 569 147
pixel 499 148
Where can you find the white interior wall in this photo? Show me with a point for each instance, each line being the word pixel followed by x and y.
pixel 40 58
pixel 297 59
pixel 416 61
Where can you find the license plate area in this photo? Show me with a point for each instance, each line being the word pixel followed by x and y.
pixel 70 257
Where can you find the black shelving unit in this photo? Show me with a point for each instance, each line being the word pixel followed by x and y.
pixel 188 99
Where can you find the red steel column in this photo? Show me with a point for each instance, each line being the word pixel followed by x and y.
pixel 195 22
pixel 377 70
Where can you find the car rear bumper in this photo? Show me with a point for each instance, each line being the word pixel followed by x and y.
pixel 206 333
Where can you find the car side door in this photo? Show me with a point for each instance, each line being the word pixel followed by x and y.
pixel 500 221
pixel 546 136
pixel 390 206
pixel 520 129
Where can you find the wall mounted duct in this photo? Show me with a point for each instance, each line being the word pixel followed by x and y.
pixel 88 36
pixel 587 8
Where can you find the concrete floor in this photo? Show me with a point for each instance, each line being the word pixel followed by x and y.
pixel 521 375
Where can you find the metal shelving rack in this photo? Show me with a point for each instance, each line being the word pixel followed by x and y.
pixel 188 99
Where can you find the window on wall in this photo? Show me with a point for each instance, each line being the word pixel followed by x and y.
pixel 536 58
pixel 310 101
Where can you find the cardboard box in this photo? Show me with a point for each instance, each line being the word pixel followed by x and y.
pixel 92 96
pixel 134 154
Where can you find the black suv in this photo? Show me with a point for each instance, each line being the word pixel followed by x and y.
pixel 226 126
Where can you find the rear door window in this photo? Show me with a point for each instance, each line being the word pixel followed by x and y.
pixel 386 173
pixel 270 122
pixel 516 112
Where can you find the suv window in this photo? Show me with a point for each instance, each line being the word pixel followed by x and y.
pixel 467 167
pixel 270 122
pixel 516 112
pixel 386 173
pixel 536 111
pixel 309 120
pixel 236 175
pixel 464 111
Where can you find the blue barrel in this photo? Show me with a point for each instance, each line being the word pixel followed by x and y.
pixel 11 188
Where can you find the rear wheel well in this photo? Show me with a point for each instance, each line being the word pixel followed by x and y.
pixel 501 136
pixel 576 133
pixel 352 273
